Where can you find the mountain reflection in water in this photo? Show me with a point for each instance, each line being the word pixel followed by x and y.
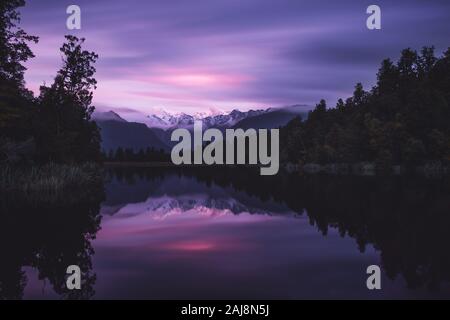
pixel 232 234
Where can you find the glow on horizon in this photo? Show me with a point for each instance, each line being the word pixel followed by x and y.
pixel 194 56
pixel 148 89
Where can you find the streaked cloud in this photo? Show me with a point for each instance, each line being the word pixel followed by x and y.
pixel 196 55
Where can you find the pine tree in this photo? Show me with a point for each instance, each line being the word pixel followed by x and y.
pixel 69 135
pixel 14 49
pixel 17 107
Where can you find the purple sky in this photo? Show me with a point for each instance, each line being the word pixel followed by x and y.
pixel 203 55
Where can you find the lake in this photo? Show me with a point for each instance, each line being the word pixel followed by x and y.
pixel 232 234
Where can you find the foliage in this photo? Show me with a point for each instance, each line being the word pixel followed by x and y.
pixel 129 155
pixel 66 133
pixel 14 48
pixel 50 182
pixel 58 123
pixel 16 109
pixel 404 119
pixel 48 220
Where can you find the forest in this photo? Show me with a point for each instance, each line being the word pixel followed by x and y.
pixel 402 120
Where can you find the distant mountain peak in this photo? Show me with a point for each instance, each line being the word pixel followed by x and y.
pixel 155 129
pixel 165 120
pixel 107 116
pixel 184 120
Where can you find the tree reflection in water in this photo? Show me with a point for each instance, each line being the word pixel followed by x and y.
pixel 405 218
pixel 49 236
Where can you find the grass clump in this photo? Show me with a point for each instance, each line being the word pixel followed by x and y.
pixel 51 181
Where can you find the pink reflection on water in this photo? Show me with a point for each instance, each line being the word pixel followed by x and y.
pixel 199 229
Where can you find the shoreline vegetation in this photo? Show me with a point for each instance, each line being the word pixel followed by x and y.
pixel 49 146
pixel 50 183
pixel 428 170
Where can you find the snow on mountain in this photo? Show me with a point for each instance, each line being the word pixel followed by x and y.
pixel 162 123
pixel 117 132
pixel 166 120
pixel 183 120
pixel 165 206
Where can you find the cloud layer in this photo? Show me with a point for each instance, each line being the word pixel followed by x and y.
pixel 186 55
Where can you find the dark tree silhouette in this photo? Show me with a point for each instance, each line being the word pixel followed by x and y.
pixel 14 40
pixel 141 155
pixel 402 120
pixel 56 126
pixel 67 134
pixel 49 237
pixel 16 103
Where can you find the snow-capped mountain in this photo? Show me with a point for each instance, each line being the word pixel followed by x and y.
pixel 183 120
pixel 155 130
pixel 117 132
pixel 166 120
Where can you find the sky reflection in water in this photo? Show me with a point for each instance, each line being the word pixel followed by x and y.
pixel 177 237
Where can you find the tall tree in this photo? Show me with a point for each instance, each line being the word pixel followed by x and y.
pixel 403 119
pixel 66 108
pixel 16 102
pixel 14 49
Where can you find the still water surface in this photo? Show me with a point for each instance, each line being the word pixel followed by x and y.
pixel 173 235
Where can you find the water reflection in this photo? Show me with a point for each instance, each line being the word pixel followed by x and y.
pixel 47 237
pixel 230 233
pixel 236 234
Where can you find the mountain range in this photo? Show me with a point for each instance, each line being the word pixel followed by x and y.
pixel 183 120
pixel 117 132
pixel 161 198
pixel 155 130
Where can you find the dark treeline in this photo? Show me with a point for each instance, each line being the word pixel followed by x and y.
pixel 55 126
pixel 149 154
pixel 402 120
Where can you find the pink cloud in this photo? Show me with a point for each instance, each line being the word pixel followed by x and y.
pixel 190 246
pixel 197 78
